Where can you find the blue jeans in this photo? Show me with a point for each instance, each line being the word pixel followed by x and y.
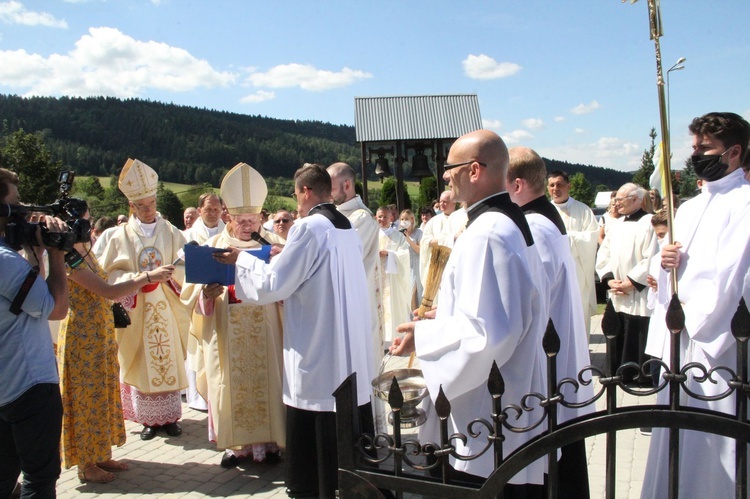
pixel 30 442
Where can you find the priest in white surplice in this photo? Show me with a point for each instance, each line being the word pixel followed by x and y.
pixel 207 225
pixel 583 234
pixel 493 306
pixel 209 221
pixel 712 256
pixel 152 348
pixel 241 342
pixel 320 276
pixel 394 277
pixel 351 205
pixel 622 263
pixel 526 180
pixel 432 233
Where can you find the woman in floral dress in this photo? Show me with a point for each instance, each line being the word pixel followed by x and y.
pixel 89 371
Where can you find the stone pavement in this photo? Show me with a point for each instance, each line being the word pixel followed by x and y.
pixel 188 466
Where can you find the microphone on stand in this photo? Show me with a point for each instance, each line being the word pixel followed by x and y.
pixel 259 239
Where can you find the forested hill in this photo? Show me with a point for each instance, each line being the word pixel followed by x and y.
pixel 94 136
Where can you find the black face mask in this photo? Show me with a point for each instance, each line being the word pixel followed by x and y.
pixel 709 167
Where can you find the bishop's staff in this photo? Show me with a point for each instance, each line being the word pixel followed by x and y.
pixel 654 16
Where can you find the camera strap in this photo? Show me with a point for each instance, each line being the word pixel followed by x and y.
pixel 15 306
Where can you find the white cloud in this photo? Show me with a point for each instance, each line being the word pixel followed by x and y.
pixel 533 123
pixel 259 96
pixel 306 77
pixel 483 67
pixel 15 13
pixel 107 62
pixel 492 124
pixel 559 119
pixel 682 149
pixel 586 108
pixel 579 131
pixel 517 136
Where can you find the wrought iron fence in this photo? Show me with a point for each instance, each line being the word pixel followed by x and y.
pixel 369 465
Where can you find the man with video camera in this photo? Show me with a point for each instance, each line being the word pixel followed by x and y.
pixel 30 405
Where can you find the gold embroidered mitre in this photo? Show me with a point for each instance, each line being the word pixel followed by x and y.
pixel 243 190
pixel 138 180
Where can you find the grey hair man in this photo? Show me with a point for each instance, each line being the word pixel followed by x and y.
pixel 622 263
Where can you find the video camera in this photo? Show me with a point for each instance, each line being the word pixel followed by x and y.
pixel 19 231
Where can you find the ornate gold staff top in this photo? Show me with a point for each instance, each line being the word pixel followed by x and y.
pixel 654 17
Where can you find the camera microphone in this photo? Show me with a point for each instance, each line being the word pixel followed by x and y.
pixel 259 239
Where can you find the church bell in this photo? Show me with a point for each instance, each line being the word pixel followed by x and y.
pixel 420 165
pixel 382 169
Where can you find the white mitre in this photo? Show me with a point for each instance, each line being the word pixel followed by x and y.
pixel 138 180
pixel 243 190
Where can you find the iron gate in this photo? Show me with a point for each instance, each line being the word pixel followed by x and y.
pixel 402 464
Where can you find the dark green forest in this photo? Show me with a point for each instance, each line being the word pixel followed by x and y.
pixel 96 135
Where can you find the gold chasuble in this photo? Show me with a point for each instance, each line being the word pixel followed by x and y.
pixel 242 348
pixel 152 348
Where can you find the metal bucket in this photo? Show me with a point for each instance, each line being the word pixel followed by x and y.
pixel 413 388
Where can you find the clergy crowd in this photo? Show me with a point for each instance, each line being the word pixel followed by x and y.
pixel 331 289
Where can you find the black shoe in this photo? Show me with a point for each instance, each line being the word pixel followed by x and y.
pixel 148 432
pixel 295 495
pixel 172 429
pixel 229 461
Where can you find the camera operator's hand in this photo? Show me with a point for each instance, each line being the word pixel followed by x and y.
pixel 53 224
pixel 57 280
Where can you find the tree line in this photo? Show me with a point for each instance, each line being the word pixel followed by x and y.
pixel 95 135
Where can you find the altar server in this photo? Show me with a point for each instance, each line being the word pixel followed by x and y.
pixel 320 276
pixel 492 307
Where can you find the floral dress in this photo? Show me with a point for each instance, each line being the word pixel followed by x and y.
pixel 89 377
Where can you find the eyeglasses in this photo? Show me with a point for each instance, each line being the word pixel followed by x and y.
pixel 620 200
pixel 302 190
pixel 456 165
pixel 282 221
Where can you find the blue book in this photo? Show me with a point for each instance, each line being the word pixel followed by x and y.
pixel 201 268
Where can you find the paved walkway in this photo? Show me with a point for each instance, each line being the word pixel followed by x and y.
pixel 188 466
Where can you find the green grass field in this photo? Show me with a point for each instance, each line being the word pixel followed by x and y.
pixel 412 187
pixel 172 186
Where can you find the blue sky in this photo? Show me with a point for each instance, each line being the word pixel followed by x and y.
pixel 573 79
